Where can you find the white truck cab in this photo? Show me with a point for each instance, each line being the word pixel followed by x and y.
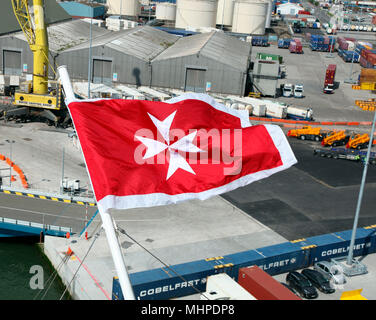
pixel 298 91
pixel 287 90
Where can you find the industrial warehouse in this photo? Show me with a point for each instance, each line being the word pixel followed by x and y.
pixel 306 69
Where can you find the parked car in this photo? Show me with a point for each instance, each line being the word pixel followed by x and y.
pixel 331 271
pixel 318 280
pixel 301 284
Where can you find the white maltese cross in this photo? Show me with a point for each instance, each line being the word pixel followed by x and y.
pixel 155 147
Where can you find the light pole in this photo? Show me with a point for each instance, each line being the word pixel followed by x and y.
pixel 89 67
pixel 62 173
pixel 350 79
pixel 352 241
pixel 10 157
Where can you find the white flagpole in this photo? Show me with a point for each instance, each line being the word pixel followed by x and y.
pixel 107 221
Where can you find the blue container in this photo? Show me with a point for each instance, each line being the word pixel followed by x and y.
pixel 76 9
pixel 284 43
pixel 272 38
pixel 260 41
pixel 165 283
pixel 348 56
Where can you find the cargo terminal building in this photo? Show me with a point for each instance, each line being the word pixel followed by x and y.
pixel 141 56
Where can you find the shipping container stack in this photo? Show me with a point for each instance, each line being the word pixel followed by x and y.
pixel 284 43
pixel 346 49
pixel 367 76
pixel 296 46
pixel 260 41
pixel 312 24
pixel 367 54
pixel 322 43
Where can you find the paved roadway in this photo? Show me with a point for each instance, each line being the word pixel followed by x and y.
pixel 45 211
pixel 314 197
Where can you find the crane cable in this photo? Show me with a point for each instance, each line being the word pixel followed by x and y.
pixel 82 261
pixel 154 256
pixel 53 274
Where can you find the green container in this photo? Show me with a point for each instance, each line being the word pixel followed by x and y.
pixel 269 56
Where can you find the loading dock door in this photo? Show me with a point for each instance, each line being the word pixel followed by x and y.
pixel 102 71
pixel 12 62
pixel 195 80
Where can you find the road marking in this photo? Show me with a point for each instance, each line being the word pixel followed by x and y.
pixel 43 213
pixel 35 196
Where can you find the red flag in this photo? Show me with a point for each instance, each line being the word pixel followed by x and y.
pixel 145 153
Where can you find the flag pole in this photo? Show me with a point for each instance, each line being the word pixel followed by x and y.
pixel 107 220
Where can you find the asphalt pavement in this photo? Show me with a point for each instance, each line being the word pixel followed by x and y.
pixel 314 197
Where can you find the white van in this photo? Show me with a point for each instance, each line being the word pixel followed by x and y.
pixel 298 91
pixel 287 90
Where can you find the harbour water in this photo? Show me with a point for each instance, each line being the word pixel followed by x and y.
pixel 26 274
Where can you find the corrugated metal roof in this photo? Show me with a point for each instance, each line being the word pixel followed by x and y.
pixel 8 22
pixel 142 42
pixel 214 45
pixel 67 34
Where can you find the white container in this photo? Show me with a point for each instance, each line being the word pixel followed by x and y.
pixel 351 46
pixel 304 114
pixel 360 28
pixel 249 108
pixel 130 93
pixel 259 110
pixel 225 12
pixel 250 17
pixel 196 13
pixel 14 80
pixel 124 7
pixel 258 106
pixel 222 287
pixel 155 93
pixel 374 29
pixel 276 110
pixel 165 11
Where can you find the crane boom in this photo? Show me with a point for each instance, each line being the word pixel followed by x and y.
pixel 37 39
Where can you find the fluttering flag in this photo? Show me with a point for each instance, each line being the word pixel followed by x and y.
pixel 146 153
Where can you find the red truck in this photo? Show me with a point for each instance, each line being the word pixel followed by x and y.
pixel 329 78
pixel 296 46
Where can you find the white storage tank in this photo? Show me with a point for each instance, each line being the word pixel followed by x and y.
pixel 250 16
pixel 165 11
pixel 196 13
pixel 225 12
pixel 129 8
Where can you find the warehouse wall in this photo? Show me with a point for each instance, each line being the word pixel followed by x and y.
pixel 14 44
pixel 129 69
pixel 171 73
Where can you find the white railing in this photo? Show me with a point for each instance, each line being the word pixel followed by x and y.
pixel 35 225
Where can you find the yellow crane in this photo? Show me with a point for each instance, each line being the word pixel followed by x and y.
pixel 37 99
